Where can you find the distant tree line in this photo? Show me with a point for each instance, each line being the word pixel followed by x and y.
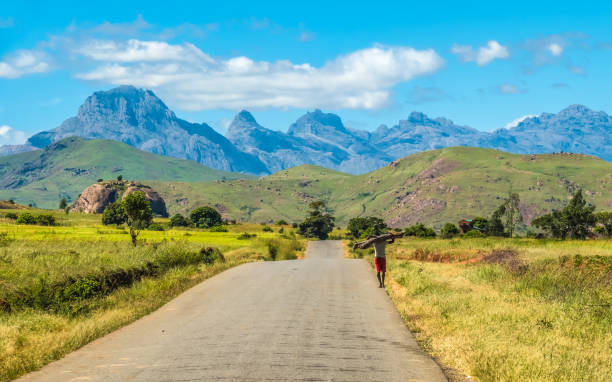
pixel 577 220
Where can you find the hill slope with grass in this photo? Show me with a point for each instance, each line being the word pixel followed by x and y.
pixel 432 187
pixel 65 168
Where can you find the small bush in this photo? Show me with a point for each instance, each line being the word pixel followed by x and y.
pixel 26 218
pixel 11 215
pixel 281 222
pixel 45 219
pixel 281 230
pixel 294 225
pixel 211 256
pixel 267 229
pixel 179 220
pixel 449 230
pixel 219 228
pixel 473 234
pixel 205 217
pixel 155 227
pixel 272 249
pixel 419 230
pixel 246 236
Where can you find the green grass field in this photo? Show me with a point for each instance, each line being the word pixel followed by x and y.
pixel 508 309
pixel 63 286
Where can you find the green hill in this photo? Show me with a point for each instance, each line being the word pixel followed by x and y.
pixel 65 168
pixel 432 187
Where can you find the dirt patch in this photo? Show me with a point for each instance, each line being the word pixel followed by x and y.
pixel 507 258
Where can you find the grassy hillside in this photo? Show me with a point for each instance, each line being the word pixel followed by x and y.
pixel 64 169
pixel 432 187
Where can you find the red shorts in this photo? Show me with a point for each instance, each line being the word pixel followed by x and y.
pixel 381 264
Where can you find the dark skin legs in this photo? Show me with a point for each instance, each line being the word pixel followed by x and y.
pixel 381 280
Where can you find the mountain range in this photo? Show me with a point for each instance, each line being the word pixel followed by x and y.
pixel 140 119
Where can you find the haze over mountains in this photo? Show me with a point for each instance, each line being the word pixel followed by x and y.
pixel 140 119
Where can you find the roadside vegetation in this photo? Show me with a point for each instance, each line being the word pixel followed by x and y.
pixel 64 284
pixel 496 308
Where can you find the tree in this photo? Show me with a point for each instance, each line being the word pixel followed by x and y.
pixel 512 212
pixel 26 218
pixel 481 224
pixel 63 204
pixel 605 220
pixel 419 230
pixel 114 213
pixel 449 230
pixel 138 212
pixel 554 223
pixel 319 223
pixel 365 226
pixel 495 226
pixel 178 220
pixel 120 178
pixel 575 220
pixel 205 217
pixel 579 216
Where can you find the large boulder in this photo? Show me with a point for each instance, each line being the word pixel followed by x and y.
pixel 158 206
pixel 95 198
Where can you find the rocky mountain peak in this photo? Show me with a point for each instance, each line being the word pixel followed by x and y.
pixel 245 116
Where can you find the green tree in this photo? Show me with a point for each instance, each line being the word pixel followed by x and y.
pixel 26 218
pixel 179 220
pixel 449 230
pixel 579 216
pixel 205 217
pixel 481 224
pixel 495 226
pixel 512 213
pixel 575 220
pixel 555 223
pixel 364 226
pixel 114 213
pixel 605 220
pixel 138 211
pixel 419 230
pixel 46 219
pixel 63 204
pixel 120 178
pixel 319 223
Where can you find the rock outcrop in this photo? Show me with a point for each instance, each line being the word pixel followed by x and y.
pixel 95 198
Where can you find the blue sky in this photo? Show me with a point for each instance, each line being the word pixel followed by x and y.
pixel 482 64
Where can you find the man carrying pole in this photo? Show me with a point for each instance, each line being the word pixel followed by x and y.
pixel 379 243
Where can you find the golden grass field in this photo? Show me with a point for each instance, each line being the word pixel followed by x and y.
pixel 41 325
pixel 508 309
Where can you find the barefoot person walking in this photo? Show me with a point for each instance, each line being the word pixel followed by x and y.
pixel 379 243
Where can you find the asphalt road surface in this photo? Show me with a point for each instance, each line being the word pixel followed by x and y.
pixel 319 319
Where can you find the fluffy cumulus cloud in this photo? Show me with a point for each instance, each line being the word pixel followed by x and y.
pixel 483 55
pixel 23 62
pixel 194 80
pixel 10 136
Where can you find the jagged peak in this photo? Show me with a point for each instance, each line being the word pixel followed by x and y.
pixel 245 116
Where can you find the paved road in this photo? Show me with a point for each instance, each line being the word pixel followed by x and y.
pixel 318 319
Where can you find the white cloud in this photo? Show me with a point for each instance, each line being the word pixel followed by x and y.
pixel 306 36
pixel 509 89
pixel 139 51
pixel 23 62
pixel 516 122
pixel 10 136
pixel 193 80
pixel 484 55
pixel 555 49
